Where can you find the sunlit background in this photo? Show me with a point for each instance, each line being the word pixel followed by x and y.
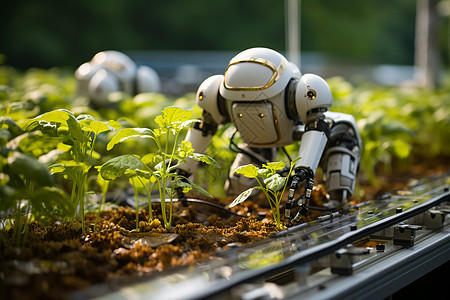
pixel 187 40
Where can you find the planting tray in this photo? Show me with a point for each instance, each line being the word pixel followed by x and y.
pixel 371 250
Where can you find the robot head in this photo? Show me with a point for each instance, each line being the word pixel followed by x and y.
pixel 312 97
pixel 257 74
pixel 111 71
pixel 261 74
pixel 120 65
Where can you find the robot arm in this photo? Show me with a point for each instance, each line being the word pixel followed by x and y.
pixel 201 133
pixel 313 98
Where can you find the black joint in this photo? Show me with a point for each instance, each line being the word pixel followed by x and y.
pixel 206 128
pixel 303 210
pixel 289 100
pixel 319 125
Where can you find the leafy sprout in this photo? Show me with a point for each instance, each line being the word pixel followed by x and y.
pixel 78 136
pixel 273 185
pixel 26 187
pixel 158 170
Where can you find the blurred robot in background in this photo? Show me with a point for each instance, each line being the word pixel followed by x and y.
pixel 272 105
pixel 112 71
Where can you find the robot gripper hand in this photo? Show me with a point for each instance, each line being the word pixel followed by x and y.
pixel 301 174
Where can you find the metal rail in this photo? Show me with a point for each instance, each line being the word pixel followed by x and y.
pixel 297 246
pixel 323 249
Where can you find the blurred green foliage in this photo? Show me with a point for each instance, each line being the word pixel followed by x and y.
pixel 48 33
pixel 396 123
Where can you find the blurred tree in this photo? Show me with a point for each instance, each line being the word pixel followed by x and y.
pixel 427 58
pixel 46 33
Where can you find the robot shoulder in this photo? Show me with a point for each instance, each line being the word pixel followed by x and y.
pixel 208 97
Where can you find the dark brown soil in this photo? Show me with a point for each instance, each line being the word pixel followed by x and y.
pixel 59 259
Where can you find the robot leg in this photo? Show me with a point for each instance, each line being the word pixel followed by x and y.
pixel 341 160
pixel 237 183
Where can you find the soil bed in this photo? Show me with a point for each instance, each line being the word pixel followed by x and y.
pixel 59 259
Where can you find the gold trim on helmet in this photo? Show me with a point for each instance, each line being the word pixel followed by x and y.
pixel 277 72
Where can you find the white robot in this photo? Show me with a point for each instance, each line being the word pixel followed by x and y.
pixel 112 71
pixel 272 105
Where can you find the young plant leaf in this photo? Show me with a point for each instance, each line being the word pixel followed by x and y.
pixel 88 123
pixel 275 182
pixel 149 158
pixel 242 197
pixel 117 166
pixel 11 125
pixel 249 171
pixel 51 202
pixel 186 186
pixel 264 173
pixel 30 168
pixel 62 117
pixel 128 133
pixel 185 149
pixel 72 169
pixel 200 189
pixel 172 117
pixel 274 166
pixel 205 159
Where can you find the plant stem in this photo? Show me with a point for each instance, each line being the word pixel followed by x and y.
pixel 149 196
pixel 104 190
pixel 83 198
pixel 273 207
pixel 25 229
pixel 73 198
pixel 136 202
pixel 162 193
pixel 17 223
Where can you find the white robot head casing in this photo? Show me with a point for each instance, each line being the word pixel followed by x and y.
pixel 147 80
pixel 312 95
pixel 122 75
pixel 120 65
pixel 257 74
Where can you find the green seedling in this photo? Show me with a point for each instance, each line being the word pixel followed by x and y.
pixel 157 170
pixel 273 185
pixel 126 165
pixel 26 186
pixel 77 136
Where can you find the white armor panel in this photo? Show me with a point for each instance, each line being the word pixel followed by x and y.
pixel 83 74
pixel 313 93
pixel 101 85
pixel 311 149
pixel 121 65
pixel 255 122
pixel 340 164
pixel 147 80
pixel 341 169
pixel 257 74
pixel 207 95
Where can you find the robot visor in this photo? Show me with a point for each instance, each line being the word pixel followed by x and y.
pixel 252 74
